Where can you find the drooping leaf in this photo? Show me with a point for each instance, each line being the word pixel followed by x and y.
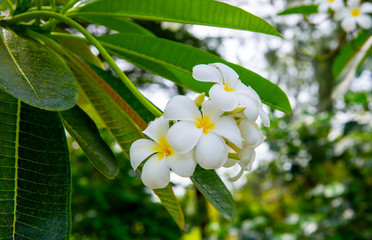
pixel 35 74
pixel 122 121
pixel 348 52
pixel 168 58
pixel 212 187
pixel 35 181
pixel 118 24
pixel 203 12
pixel 303 9
pixel 86 134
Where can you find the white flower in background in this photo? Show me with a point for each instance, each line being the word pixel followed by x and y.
pixel 156 171
pixel 229 91
pixel 324 5
pixel 203 130
pixel 355 13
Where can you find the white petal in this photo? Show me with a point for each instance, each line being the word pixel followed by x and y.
pixel 353 3
pixel 157 129
pixel 155 172
pixel 366 7
pixel 211 151
pixel 227 101
pixel 250 132
pixel 264 117
pixel 183 164
pixel 251 111
pixel 247 157
pixel 230 162
pixel 364 21
pixel 348 24
pixel 227 128
pixel 229 75
pixel 241 88
pixel 183 136
pixel 140 150
pixel 181 108
pixel 210 109
pixel 323 8
pixel 207 73
pixel 254 93
pixel 341 14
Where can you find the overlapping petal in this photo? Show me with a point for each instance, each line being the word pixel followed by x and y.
pixel 264 117
pixel 227 128
pixel 366 7
pixel 210 109
pixel 182 164
pixel 225 100
pixel 155 172
pixel 348 24
pixel 140 150
pixel 207 73
pixel 181 108
pixel 250 132
pixel 157 129
pixel 230 77
pixel 211 151
pixel 183 136
pixel 251 111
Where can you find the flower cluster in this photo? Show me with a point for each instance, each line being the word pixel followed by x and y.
pixel 213 133
pixel 351 15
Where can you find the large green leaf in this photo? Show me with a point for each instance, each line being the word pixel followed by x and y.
pixel 122 121
pixel 118 24
pixel 35 181
pixel 211 186
pixel 168 58
pixel 303 9
pixel 86 134
pixel 348 52
pixel 35 74
pixel 204 12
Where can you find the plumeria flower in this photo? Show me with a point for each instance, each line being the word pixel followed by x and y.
pixel 229 91
pixel 203 130
pixel 156 171
pixel 355 13
pixel 324 5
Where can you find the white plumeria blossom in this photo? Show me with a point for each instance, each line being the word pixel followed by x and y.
pixel 324 5
pixel 201 130
pixel 162 157
pixel 229 91
pixel 355 13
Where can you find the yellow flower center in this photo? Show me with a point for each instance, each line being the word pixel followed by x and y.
pixel 227 88
pixel 164 149
pixel 355 12
pixel 204 123
pixel 331 1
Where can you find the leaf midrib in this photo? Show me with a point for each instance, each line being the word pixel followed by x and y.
pixel 19 67
pixel 18 130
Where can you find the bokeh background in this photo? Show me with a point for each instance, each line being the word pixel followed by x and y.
pixel 312 177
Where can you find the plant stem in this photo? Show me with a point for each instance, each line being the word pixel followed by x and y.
pixel 51 24
pixel 10 6
pixel 145 102
pixel 53 5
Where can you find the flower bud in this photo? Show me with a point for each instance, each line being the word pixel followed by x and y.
pixel 199 99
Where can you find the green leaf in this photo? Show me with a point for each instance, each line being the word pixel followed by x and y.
pixel 203 12
pixel 122 121
pixel 303 9
pixel 212 187
pixel 348 52
pixel 35 74
pixel 86 134
pixel 35 181
pixel 118 24
pixel 175 61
